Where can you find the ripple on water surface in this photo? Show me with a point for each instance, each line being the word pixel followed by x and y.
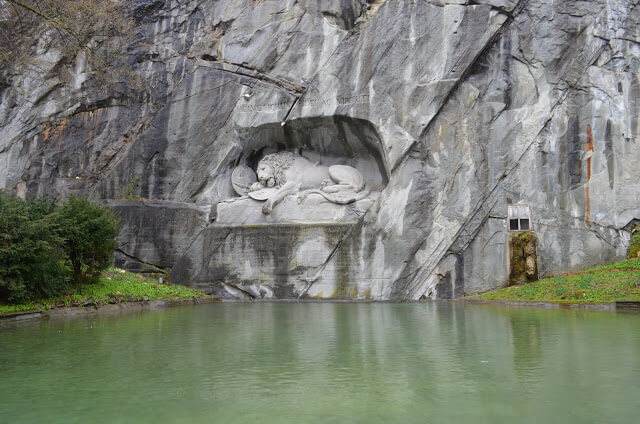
pixel 325 363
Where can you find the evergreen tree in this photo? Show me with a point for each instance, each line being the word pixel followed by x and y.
pixel 32 257
pixel 89 231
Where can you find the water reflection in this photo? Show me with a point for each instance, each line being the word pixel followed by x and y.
pixel 326 363
pixel 526 334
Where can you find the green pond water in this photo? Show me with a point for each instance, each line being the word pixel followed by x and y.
pixel 325 363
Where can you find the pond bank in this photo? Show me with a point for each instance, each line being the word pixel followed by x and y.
pixel 614 287
pixel 102 310
pixel 18 318
pixel 611 306
pixel 609 284
pixel 115 287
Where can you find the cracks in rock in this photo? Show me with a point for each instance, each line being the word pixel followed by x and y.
pixel 314 78
pixel 242 70
pixel 564 215
pixel 511 14
pixel 149 264
pixel 609 40
pixel 631 40
pixel 296 89
pixel 120 154
pixel 593 231
pixel 468 236
pixel 528 66
pixel 236 287
pixel 54 128
pixel 321 267
pixel 200 189
pixel 46 94
pixel 177 25
pixel 422 272
pixel 505 11
pixel 100 105
pixel 282 52
pixel 492 197
pixel 53 120
pixel 463 76
pixel 600 90
pixel 293 105
pixel 369 11
pixel 199 93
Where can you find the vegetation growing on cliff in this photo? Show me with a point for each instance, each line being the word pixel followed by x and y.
pixel 523 257
pixel 32 28
pixel 634 247
pixel 43 246
pixel 609 283
pixel 114 286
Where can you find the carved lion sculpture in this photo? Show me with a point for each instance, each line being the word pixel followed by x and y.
pixel 284 173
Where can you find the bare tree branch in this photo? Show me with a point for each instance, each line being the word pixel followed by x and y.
pixel 50 19
pixel 102 29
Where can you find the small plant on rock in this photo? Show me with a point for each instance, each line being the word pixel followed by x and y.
pixel 634 247
pixel 130 191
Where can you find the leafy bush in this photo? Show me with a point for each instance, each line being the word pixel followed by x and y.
pixel 32 257
pixel 89 231
pixel 44 246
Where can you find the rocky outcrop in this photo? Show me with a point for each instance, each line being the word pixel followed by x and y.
pixel 455 109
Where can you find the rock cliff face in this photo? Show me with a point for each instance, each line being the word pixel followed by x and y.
pixel 456 109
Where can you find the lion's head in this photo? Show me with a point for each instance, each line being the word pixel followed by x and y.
pixel 271 169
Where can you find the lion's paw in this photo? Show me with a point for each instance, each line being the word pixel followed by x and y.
pixel 256 186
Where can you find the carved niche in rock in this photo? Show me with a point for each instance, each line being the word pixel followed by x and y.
pixel 286 175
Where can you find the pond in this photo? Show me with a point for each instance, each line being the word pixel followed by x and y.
pixel 325 363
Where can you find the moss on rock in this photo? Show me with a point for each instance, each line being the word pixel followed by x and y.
pixel 523 257
pixel 634 247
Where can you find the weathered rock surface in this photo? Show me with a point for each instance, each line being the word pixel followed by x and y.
pixel 452 109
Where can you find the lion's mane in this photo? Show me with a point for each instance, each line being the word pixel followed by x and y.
pixel 279 162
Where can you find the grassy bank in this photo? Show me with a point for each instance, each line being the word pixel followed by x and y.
pixel 115 286
pixel 609 283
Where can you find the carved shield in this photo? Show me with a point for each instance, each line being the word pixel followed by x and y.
pixel 241 179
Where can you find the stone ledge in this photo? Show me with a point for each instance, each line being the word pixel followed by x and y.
pixel 244 210
pixel 20 316
pixel 284 224
pixel 115 309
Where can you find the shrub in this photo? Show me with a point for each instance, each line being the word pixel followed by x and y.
pixel 32 258
pixel 44 246
pixel 89 231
